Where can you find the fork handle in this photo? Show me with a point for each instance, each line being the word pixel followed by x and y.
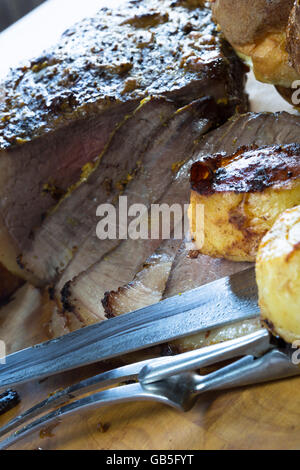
pixel 273 365
pixel 256 344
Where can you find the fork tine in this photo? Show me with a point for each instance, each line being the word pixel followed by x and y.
pixel 125 393
pixel 91 384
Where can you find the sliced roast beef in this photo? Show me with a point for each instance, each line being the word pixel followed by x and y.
pixel 190 271
pixel 171 271
pixel 8 284
pixel 64 231
pixel 148 285
pixel 152 185
pixel 178 269
pixel 83 295
pixel 60 109
pixel 157 138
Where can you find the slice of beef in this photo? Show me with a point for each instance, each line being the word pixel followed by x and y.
pixel 148 285
pixel 172 271
pixel 152 185
pixel 73 219
pixel 23 311
pixel 83 295
pixel 191 270
pixel 135 170
pixel 59 110
pixel 8 284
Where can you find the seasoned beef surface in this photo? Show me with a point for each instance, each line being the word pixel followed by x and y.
pixel 125 53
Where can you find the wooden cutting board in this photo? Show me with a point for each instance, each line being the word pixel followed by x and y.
pixel 259 417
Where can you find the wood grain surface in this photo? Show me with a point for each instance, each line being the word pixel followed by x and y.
pixel 259 417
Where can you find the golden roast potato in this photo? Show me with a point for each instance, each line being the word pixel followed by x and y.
pixel 235 199
pixel 278 276
pixel 266 32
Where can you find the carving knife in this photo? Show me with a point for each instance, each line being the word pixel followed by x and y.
pixel 219 303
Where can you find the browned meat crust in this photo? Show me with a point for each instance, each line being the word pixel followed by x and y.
pixel 126 53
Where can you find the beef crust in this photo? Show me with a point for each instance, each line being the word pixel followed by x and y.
pixel 122 54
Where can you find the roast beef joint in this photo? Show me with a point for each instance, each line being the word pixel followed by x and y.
pixel 78 125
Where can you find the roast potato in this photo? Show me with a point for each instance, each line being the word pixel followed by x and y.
pixel 278 276
pixel 235 199
pixel 266 32
pixel 247 21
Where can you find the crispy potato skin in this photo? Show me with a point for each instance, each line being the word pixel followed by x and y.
pixel 271 61
pixel 278 276
pixel 246 21
pixel 238 207
pixel 265 31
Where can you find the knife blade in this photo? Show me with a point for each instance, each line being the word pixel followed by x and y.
pixel 219 303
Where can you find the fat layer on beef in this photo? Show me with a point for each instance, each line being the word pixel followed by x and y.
pixel 59 111
pixel 148 285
